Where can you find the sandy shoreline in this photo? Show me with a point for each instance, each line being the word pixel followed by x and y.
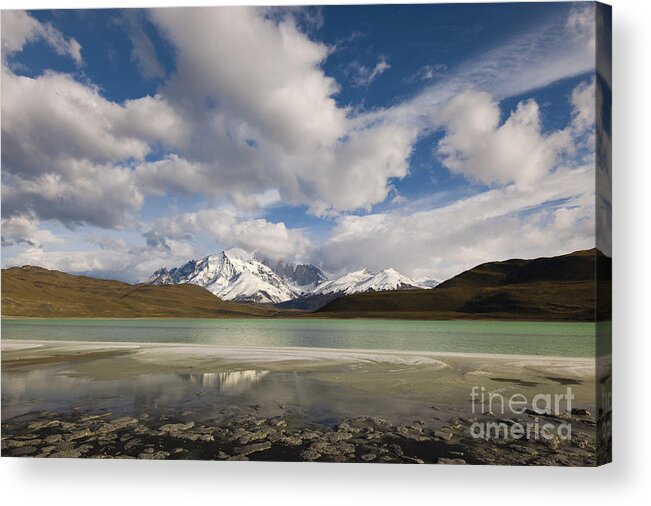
pixel 439 377
pixel 166 357
pixel 262 353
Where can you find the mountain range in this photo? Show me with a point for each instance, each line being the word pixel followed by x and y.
pixel 238 276
pixel 572 287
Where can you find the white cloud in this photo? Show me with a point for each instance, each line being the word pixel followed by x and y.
pixel 554 49
pixel 54 117
pixel 172 173
pixel 104 255
pixel 250 109
pixel 249 117
pixel 143 51
pixel 477 146
pixel 64 148
pixel 356 173
pixel 229 229
pixel 583 106
pixel 494 225
pixel 19 29
pixel 581 24
pixel 364 75
pixel 261 74
pixel 262 116
pixel 427 73
pixel 134 264
pixel 25 230
pixel 543 204
pixel 101 195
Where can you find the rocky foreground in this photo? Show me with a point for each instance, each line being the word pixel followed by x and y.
pixel 242 434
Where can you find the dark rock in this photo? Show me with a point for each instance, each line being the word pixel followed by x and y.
pixel 23 450
pixel 253 448
pixel 443 460
pixel 443 434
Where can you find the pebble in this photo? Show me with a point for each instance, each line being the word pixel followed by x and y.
pixel 443 460
pixel 253 448
pixel 443 434
pixel 242 436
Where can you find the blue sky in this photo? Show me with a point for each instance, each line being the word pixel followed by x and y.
pixel 426 138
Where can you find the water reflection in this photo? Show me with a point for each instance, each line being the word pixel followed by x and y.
pixel 228 381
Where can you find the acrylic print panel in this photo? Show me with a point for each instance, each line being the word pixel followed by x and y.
pixel 374 234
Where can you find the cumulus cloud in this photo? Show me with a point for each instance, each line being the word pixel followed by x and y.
pixel 477 146
pixel 54 117
pixel 64 148
pixel 249 109
pixel 262 116
pixel 19 28
pixel 131 264
pixel 101 195
pixel 543 202
pixel 104 255
pixel 171 173
pixel 25 230
pixel 250 117
pixel 494 225
pixel 262 73
pixel 229 229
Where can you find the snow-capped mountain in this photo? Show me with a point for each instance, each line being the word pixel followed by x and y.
pixel 305 277
pixel 367 281
pixel 233 275
pixel 239 276
pixel 427 282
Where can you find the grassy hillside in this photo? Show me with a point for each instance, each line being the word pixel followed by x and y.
pixel 562 288
pixel 558 288
pixel 37 292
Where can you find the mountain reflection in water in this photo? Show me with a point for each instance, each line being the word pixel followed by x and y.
pixel 228 381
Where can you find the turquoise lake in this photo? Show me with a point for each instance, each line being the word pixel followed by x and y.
pixel 517 338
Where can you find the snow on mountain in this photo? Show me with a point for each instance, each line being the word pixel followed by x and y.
pixel 305 277
pixel 233 275
pixel 239 276
pixel 427 282
pixel 366 281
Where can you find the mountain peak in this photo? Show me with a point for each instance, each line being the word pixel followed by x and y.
pixel 367 281
pixel 304 276
pixel 235 274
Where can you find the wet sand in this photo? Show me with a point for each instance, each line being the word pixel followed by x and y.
pixel 67 399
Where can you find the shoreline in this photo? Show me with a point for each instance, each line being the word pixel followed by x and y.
pixel 310 315
pixel 442 377
pixel 210 402
pixel 294 351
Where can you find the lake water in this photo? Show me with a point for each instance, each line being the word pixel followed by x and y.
pixel 517 338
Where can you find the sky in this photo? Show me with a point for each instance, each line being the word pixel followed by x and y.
pixel 424 138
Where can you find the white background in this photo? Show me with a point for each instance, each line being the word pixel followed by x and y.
pixel 626 481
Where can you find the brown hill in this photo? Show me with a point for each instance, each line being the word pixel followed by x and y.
pixel 561 288
pixel 36 292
